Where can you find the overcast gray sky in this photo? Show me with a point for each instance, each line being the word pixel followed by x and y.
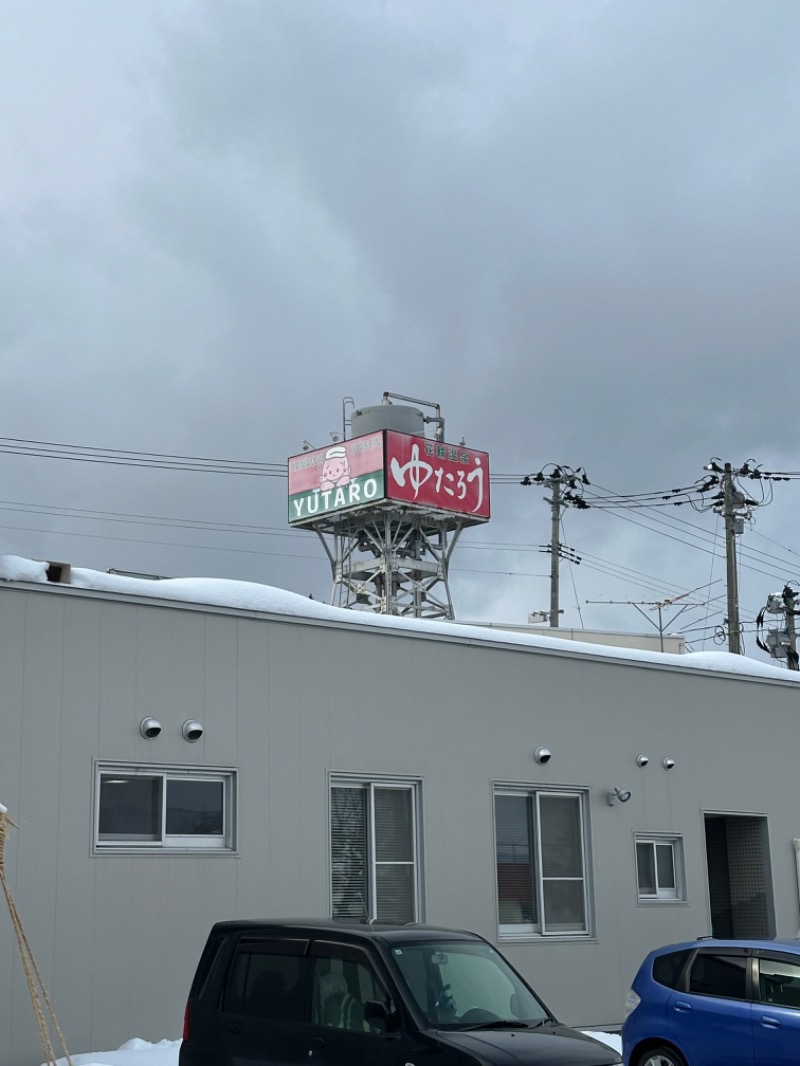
pixel 574 225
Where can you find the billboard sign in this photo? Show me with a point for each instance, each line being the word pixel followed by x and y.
pixel 388 466
pixel 430 473
pixel 345 475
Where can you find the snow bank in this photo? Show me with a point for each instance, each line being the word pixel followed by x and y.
pixel 14 568
pixel 249 596
pixel 133 1053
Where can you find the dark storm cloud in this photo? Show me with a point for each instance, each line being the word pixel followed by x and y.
pixel 532 199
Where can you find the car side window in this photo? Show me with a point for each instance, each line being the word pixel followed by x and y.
pixel 266 982
pixel 341 985
pixel 719 975
pixel 667 968
pixel 779 982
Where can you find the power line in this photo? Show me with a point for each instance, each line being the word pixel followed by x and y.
pixel 159 543
pixel 86 514
pixel 220 548
pixel 713 538
pixel 580 495
pixel 595 563
pixel 155 460
pixel 149 460
pixel 162 521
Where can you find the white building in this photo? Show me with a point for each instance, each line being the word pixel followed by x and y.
pixel 352 764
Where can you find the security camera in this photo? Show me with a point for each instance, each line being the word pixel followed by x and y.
pixel 150 728
pixel 191 731
pixel 668 763
pixel 543 755
pixel 642 760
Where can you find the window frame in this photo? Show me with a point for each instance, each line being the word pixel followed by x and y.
pixel 334 951
pixel 538 930
pixel 661 895
pixel 369 783
pixel 773 958
pixel 236 987
pixel 167 843
pixel 721 955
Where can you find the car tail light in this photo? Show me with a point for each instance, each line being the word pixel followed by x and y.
pixel 632 1001
pixel 186 1023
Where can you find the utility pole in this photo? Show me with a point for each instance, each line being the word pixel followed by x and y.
pixel 555 545
pixel 557 479
pixel 734 506
pixel 560 553
pixel 789 598
pixel 780 643
pixel 734 632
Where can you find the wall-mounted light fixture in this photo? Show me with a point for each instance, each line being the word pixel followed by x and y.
pixel 668 763
pixel 150 728
pixel 543 755
pixel 642 760
pixel 621 794
pixel 191 731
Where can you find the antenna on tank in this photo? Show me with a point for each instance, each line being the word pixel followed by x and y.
pixel 347 402
pixel 437 418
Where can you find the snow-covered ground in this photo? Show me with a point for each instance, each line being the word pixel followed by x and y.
pixel 132 1053
pixel 165 1053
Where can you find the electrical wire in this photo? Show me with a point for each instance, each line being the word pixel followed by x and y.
pixel 597 497
pixel 160 543
pixel 150 460
pixel 713 538
pixel 572 565
pixel 86 514
pixel 588 559
pixel 593 562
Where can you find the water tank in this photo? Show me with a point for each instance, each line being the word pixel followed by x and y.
pixel 387 416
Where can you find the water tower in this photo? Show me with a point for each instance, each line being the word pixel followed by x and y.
pixel 389 501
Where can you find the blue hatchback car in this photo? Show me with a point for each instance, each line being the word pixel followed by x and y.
pixel 715 1003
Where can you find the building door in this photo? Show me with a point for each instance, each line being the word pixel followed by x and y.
pixel 739 876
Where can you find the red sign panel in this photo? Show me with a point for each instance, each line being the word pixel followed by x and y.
pixel 447 477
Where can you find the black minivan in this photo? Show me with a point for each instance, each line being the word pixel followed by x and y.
pixel 281 993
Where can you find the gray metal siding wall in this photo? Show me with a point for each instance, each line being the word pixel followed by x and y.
pixel 287 703
pixel 12 643
pixel 115 936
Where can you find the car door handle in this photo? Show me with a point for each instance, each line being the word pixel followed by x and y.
pixel 234 1028
pixel 682 1006
pixel 316 1043
pixel 770 1022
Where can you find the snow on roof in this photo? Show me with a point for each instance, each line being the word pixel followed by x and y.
pixel 249 596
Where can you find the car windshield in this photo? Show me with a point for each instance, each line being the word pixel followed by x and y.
pixel 465 984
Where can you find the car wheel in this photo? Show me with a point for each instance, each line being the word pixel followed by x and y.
pixel 661 1056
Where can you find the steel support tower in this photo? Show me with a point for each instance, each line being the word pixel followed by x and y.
pixel 391 561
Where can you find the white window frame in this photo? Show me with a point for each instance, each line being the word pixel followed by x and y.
pixel 369 784
pixel 676 894
pixel 168 843
pixel 538 930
